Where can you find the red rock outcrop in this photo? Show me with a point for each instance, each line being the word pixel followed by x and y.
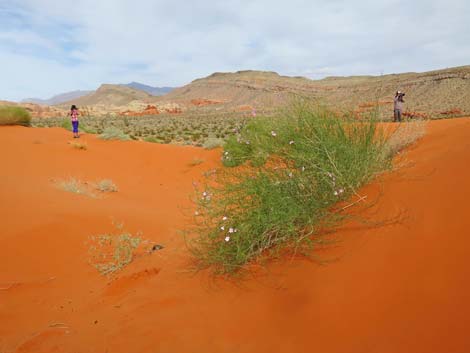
pixel 201 102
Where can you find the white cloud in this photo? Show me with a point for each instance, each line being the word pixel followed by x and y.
pixel 86 42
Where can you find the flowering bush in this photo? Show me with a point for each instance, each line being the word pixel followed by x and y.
pixel 283 184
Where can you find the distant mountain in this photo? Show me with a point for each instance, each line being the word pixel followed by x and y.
pixel 57 99
pixel 111 95
pixel 71 96
pixel 154 91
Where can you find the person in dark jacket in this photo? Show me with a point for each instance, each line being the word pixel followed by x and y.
pixel 398 106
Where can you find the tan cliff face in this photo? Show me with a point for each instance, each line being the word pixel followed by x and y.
pixel 428 93
pixel 433 94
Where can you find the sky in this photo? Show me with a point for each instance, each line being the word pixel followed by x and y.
pixel 54 46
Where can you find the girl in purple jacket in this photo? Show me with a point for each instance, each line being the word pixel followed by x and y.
pixel 74 118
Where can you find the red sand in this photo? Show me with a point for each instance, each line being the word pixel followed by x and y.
pixel 402 287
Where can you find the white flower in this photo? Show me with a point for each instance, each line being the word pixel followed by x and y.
pixel 226 153
pixel 235 230
pixel 224 218
pixel 341 191
pixel 222 228
pixel 247 142
pixel 227 238
pixel 204 194
pixel 230 230
pixel 303 169
pixel 336 193
pixel 291 142
pixel 273 133
pixel 290 175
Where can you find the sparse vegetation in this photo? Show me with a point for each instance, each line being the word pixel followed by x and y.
pixel 77 186
pixel 195 162
pixel 111 252
pixel 213 142
pixel 11 115
pixel 404 135
pixel 106 185
pixel 207 130
pixel 79 145
pixel 286 176
pixel 113 133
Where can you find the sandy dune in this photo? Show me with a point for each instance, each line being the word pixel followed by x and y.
pixel 399 286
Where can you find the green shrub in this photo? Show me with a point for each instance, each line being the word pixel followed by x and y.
pixel 290 173
pixel 66 124
pixel 10 115
pixel 153 139
pixel 113 133
pixel 213 142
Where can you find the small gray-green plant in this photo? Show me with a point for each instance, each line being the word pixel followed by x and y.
pixel 213 142
pixel 75 186
pixel 111 252
pixel 106 185
pixel 79 145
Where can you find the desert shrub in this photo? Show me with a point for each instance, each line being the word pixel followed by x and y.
pixel 66 124
pixel 75 186
pixel 404 135
pixel 10 115
pixel 113 133
pixel 213 142
pixel 111 252
pixel 79 145
pixel 153 139
pixel 106 185
pixel 289 173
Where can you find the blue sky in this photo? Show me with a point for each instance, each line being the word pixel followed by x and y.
pixel 51 46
